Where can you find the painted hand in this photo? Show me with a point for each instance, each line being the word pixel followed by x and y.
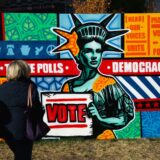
pixel 93 110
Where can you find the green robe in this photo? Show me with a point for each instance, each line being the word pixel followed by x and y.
pixel 110 100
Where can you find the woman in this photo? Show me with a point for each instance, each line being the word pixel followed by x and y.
pixel 13 97
pixel 112 108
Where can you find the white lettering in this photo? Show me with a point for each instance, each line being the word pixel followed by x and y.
pixel 50 68
pixel 135 67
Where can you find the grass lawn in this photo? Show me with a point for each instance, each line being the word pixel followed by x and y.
pixel 136 149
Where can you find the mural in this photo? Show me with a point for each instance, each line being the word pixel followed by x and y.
pixel 97 74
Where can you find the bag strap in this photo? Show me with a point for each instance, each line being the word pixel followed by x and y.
pixel 29 98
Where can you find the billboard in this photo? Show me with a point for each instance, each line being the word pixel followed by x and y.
pixel 111 61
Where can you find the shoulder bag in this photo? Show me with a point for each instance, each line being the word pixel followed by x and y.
pixel 36 128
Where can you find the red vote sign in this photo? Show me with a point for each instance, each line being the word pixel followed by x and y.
pixel 66 113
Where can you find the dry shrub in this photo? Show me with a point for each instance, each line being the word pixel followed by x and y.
pixel 90 6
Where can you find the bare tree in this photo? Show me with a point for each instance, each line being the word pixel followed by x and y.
pixel 90 6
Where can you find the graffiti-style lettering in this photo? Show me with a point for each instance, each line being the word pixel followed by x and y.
pixel 61 112
pixel 81 113
pixel 72 109
pixel 50 68
pixel 51 112
pixel 135 67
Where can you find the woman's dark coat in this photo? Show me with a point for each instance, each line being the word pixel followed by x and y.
pixel 13 103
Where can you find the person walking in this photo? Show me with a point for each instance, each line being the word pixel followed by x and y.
pixel 13 103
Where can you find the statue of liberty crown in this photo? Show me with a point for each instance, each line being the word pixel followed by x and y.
pixel 92 31
pixel 97 30
pixel 88 30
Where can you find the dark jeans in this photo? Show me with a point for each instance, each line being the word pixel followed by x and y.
pixel 22 149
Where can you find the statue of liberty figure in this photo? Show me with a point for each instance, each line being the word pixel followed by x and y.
pixel 112 107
